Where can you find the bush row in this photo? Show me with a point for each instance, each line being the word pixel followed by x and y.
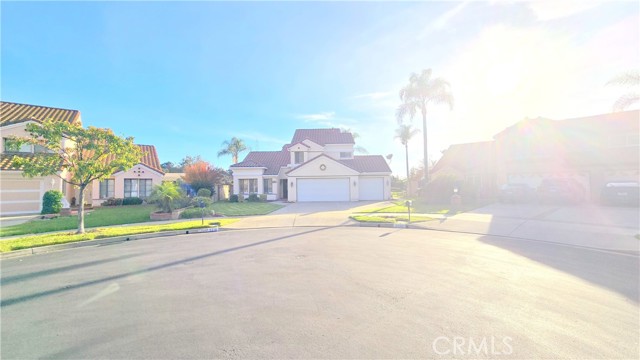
pixel 121 201
pixel 252 198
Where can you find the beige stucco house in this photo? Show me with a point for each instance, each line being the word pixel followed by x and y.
pixel 21 195
pixel 318 165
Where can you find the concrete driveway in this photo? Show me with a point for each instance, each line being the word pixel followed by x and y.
pixel 308 214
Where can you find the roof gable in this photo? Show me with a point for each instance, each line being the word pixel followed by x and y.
pixel 323 136
pixel 322 165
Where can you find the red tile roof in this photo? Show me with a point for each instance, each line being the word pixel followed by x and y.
pixel 466 157
pixel 6 160
pixel 323 136
pixel 149 158
pixel 14 113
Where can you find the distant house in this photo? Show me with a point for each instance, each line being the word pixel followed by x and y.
pixel 21 195
pixel 317 165
pixel 135 182
pixel 591 150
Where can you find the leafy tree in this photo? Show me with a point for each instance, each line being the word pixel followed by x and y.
pixel 189 160
pixel 417 95
pixel 630 79
pixel 404 133
pixel 87 154
pixel 203 175
pixel 232 147
pixel 170 167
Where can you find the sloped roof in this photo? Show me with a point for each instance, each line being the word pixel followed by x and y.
pixel 6 160
pixel 465 157
pixel 367 163
pixel 271 160
pixel 14 113
pixel 323 136
pixel 149 158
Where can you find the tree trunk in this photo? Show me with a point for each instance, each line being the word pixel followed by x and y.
pixel 406 157
pixel 426 153
pixel 235 158
pixel 81 210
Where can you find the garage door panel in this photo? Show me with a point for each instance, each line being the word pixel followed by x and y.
pixel 331 189
pixel 371 188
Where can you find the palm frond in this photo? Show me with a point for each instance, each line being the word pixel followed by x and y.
pixel 629 78
pixel 626 101
pixel 406 109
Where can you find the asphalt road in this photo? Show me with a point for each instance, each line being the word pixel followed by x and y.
pixel 337 292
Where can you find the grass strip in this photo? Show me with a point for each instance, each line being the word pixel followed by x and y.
pixel 101 233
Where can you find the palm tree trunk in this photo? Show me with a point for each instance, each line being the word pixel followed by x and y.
pixel 406 157
pixel 81 210
pixel 234 158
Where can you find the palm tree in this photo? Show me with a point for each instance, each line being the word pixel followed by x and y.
pixel 356 148
pixel 232 147
pixel 415 96
pixel 404 133
pixel 629 79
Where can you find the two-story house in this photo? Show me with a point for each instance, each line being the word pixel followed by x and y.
pixel 23 195
pixel 318 165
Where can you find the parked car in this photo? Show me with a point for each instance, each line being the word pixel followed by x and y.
pixel 561 191
pixel 514 192
pixel 620 193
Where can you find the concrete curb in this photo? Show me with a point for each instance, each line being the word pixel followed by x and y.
pixel 96 242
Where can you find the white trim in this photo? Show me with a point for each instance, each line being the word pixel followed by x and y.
pixel 22 123
pixel 19 191
pixel 138 164
pixel 21 201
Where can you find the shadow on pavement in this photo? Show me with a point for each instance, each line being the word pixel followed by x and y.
pixel 23 277
pixel 20 299
pixel 615 272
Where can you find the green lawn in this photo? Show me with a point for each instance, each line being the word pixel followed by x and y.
pixel 244 208
pixel 118 215
pixel 419 207
pixel 102 216
pixel 100 233
pixel 389 218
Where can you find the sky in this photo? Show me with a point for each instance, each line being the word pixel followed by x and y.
pixel 187 76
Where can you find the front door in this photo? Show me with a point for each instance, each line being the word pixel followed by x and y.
pixel 284 190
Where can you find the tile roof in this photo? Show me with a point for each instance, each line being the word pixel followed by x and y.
pixel 367 163
pixel 272 160
pixel 323 136
pixel 149 159
pixel 6 160
pixel 13 113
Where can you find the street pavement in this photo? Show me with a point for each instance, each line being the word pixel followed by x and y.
pixel 322 292
pixel 610 228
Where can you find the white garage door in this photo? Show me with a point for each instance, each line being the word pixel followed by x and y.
pixel 372 188
pixel 323 189
pixel 20 196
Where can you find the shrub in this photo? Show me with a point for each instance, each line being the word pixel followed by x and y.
pixel 233 198
pixel 167 196
pixel 113 202
pixel 132 201
pixel 199 199
pixel 204 193
pixel 51 202
pixel 263 197
pixel 193 213
pixel 253 198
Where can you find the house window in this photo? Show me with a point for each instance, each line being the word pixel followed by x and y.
pixel 107 188
pixel 266 183
pixel 10 145
pixel 40 149
pixel 248 186
pixel 299 157
pixel 346 155
pixel 137 187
